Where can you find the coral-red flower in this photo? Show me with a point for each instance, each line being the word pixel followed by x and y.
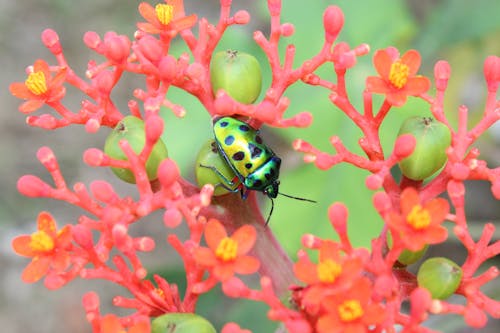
pixel 333 274
pixel 165 17
pixel 397 76
pixel 47 246
pixel 419 224
pixel 227 255
pixel 40 87
pixel 352 311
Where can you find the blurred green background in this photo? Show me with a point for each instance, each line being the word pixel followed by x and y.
pixel 461 32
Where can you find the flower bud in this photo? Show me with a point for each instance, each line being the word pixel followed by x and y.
pixel 333 21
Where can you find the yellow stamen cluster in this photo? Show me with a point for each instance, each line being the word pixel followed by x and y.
pixel 164 13
pixel 227 249
pixel 41 242
pixel 36 83
pixel 350 310
pixel 328 271
pixel 398 76
pixel 418 217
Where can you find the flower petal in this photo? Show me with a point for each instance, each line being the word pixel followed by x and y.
pixel 148 28
pixel 329 250
pixel 61 260
pixel 377 85
pixel 31 105
pixel 438 209
pixel 36 269
pixel 382 62
pixel 47 224
pixel 184 23
pixel 21 245
pixel 413 60
pixel 19 90
pixel 409 199
pixel 397 97
pixel 245 236
pixel 246 265
pixel 148 12
pixel 214 233
pixel 306 271
pixel 204 257
pixel 224 271
pixel 417 85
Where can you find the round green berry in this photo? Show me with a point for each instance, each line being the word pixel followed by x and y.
pixel 132 129
pixel 238 73
pixel 429 155
pixel 209 159
pixel 181 323
pixel 440 276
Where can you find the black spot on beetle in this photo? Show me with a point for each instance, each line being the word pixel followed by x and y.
pixel 248 165
pixel 239 156
pixel 258 139
pixel 254 150
pixel 223 123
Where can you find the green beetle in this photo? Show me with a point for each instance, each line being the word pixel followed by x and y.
pixel 255 165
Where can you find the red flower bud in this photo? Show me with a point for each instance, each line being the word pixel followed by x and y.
pixel 333 21
pixel 442 72
pixel 32 186
pixel 492 72
pixel 51 40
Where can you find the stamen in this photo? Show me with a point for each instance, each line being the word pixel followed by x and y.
pixel 350 310
pixel 328 271
pixel 36 83
pixel 164 13
pixel 398 75
pixel 418 218
pixel 227 249
pixel 41 242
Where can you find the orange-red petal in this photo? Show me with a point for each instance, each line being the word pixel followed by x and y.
pixel 21 245
pixel 205 256
pixel 36 269
pixel 19 90
pixel 306 271
pixel 47 224
pixel 245 236
pixel 409 199
pixel 438 209
pixel 382 62
pixel 417 85
pixel 185 22
pixel 329 250
pixel 412 59
pixel 397 97
pixel 148 12
pixel 377 85
pixel 246 265
pixel 31 105
pixel 61 260
pixel 214 233
pixel 224 272
pixel 148 27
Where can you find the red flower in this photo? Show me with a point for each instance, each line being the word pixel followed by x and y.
pixel 333 273
pixel 47 246
pixel 419 225
pixel 397 78
pixel 351 311
pixel 40 87
pixel 227 255
pixel 168 17
pixel 111 324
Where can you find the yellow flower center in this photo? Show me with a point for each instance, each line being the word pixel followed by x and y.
pixel 164 13
pixel 227 249
pixel 350 310
pixel 419 218
pixel 328 271
pixel 41 242
pixel 36 83
pixel 398 75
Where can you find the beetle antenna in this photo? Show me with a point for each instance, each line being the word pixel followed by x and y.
pixel 296 198
pixel 270 213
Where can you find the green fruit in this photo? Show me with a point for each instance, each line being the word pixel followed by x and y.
pixel 132 129
pixel 181 323
pixel 440 276
pixel 209 156
pixel 433 138
pixel 238 73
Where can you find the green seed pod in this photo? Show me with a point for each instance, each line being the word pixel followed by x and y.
pixel 181 323
pixel 429 155
pixel 208 156
pixel 132 129
pixel 440 276
pixel 238 73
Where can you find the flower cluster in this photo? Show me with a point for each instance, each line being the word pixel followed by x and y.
pixel 333 286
